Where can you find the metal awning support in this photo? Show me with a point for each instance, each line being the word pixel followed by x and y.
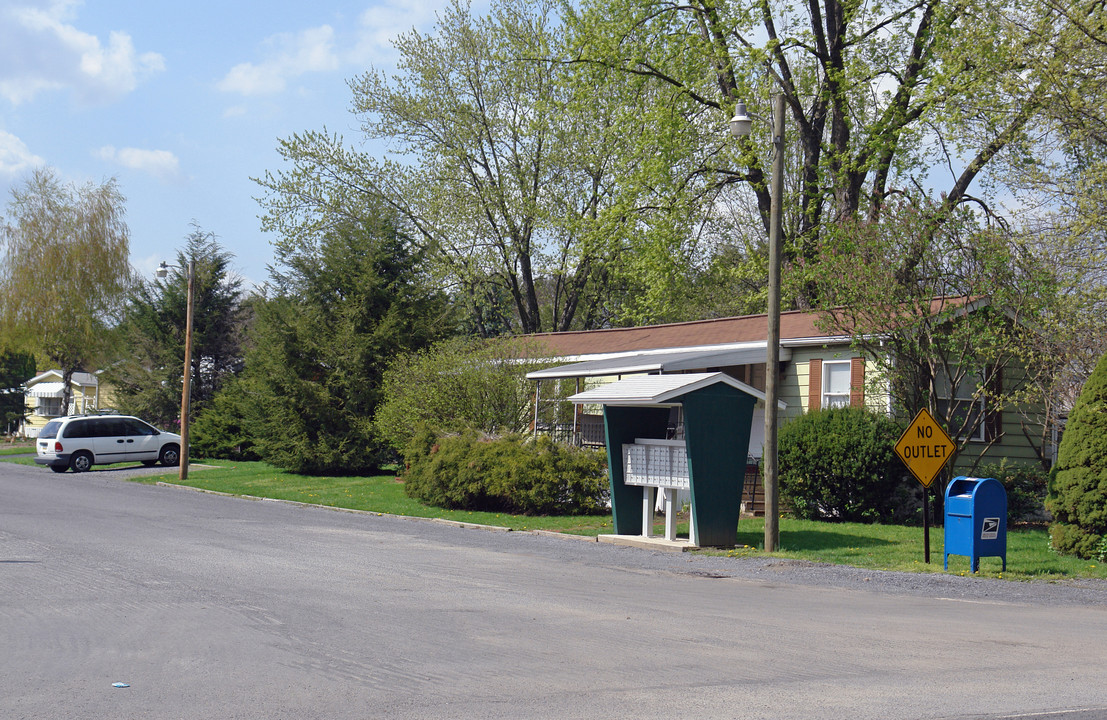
pixel 537 395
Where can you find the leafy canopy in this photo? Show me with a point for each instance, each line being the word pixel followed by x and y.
pixel 65 272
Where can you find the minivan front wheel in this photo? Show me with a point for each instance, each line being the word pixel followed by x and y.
pixel 170 455
pixel 81 461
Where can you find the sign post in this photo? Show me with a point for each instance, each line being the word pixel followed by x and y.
pixel 925 448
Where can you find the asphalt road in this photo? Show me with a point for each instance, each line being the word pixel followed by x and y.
pixel 216 607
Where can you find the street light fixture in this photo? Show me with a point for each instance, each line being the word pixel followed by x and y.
pixel 186 386
pixel 740 126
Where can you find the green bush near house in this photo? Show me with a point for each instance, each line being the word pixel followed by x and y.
pixel 512 473
pixel 1078 490
pixel 840 464
pixel 459 382
pixel 1026 487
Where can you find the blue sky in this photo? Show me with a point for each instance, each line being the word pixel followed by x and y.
pixel 183 102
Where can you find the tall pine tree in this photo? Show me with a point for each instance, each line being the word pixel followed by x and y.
pixel 147 379
pixel 344 306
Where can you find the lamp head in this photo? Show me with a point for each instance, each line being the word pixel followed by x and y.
pixel 741 123
pixel 162 270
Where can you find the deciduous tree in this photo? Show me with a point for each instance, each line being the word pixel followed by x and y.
pixel 547 193
pixel 956 334
pixel 881 98
pixel 66 271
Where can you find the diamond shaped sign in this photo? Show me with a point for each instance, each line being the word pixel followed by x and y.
pixel 924 447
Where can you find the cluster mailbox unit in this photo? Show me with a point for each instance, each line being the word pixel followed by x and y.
pixel 709 462
pixel 657 464
pixel 976 520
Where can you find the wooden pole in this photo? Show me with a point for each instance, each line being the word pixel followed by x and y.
pixel 186 385
pixel 772 358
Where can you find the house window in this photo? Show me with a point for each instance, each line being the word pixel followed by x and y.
pixel 49 407
pixel 836 384
pixel 963 413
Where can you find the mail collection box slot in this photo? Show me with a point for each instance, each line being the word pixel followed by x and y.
pixel 975 520
pixel 959 505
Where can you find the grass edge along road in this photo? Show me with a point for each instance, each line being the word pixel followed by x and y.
pixel 877 547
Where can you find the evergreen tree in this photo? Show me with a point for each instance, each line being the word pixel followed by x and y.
pixel 1078 491
pixel 147 380
pixel 344 307
pixel 15 369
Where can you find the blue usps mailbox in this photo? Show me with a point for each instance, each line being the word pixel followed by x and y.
pixel 976 520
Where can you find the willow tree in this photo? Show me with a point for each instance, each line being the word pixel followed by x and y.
pixel 544 191
pixel 65 273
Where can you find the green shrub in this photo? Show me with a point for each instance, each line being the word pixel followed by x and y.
pixel 1078 489
pixel 458 383
pixel 514 473
pixel 840 464
pixel 221 430
pixel 1026 487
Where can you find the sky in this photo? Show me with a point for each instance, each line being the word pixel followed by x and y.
pixel 183 103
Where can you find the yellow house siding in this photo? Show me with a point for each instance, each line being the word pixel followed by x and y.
pixel 792 389
pixel 85 399
pixel 797 377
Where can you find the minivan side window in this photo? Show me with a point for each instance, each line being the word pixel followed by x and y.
pixel 137 427
pixel 104 427
pixel 112 427
pixel 76 429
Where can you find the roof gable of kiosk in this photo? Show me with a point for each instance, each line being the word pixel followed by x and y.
pixel 659 389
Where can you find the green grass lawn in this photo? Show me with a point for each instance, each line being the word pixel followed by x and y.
pixel 879 547
pixel 17 448
pixel 383 494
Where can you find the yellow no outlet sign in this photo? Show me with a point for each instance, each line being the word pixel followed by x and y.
pixel 924 447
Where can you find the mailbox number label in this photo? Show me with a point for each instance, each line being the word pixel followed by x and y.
pixel 990 529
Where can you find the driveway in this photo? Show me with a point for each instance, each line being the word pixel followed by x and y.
pixel 216 607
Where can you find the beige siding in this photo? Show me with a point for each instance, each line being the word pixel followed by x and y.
pixel 1013 445
pixel 797 377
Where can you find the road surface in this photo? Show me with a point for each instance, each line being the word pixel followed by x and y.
pixel 215 607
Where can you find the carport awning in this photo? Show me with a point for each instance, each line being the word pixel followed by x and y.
pixel 46 390
pixel 660 362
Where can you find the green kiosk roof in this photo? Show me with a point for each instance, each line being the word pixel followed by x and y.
pixel 659 389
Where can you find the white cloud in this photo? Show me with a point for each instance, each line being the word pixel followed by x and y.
pixel 382 23
pixel 40 50
pixel 15 157
pixel 162 164
pixel 288 56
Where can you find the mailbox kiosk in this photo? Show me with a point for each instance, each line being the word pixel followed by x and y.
pixel 976 520
pixel 709 461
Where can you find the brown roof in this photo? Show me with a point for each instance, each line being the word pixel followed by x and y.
pixel 748 328
pixel 794 325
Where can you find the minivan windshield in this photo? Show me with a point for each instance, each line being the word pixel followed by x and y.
pixel 50 430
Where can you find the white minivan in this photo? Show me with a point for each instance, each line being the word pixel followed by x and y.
pixel 80 441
